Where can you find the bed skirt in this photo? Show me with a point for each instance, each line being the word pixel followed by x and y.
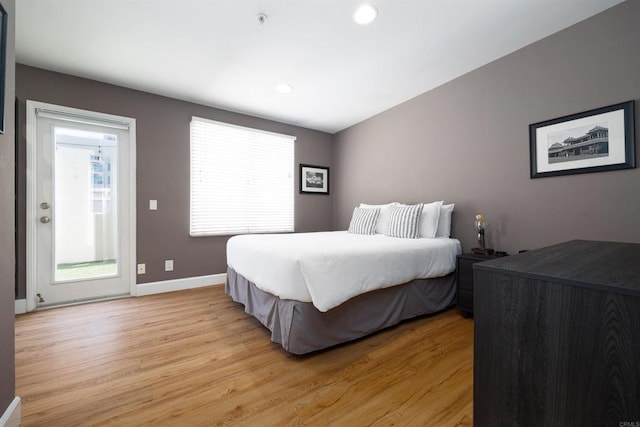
pixel 301 328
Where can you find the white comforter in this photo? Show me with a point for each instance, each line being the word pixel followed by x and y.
pixel 328 268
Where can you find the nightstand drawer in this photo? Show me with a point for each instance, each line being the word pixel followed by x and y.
pixel 465 301
pixel 465 274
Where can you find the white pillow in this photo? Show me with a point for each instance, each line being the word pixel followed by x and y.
pixel 404 221
pixel 363 221
pixel 383 218
pixel 444 223
pixel 429 219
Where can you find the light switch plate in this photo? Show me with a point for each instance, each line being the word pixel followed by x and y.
pixel 153 205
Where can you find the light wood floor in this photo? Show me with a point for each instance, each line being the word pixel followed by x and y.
pixel 194 358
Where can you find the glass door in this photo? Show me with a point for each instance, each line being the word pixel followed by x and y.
pixel 82 235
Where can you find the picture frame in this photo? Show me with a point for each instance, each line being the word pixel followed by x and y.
pixel 602 139
pixel 3 61
pixel 314 179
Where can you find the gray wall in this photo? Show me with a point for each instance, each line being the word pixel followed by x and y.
pixel 163 168
pixel 467 142
pixel 7 236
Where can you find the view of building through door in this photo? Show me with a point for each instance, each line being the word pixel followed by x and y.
pixel 79 209
pixel 86 195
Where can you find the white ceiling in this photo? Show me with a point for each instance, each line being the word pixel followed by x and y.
pixel 214 52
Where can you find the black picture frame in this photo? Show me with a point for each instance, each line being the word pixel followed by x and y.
pixel 3 62
pixel 314 179
pixel 602 139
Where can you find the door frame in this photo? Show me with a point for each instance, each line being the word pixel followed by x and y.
pixel 32 106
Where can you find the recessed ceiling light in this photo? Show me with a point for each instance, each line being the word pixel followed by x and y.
pixel 284 88
pixel 365 14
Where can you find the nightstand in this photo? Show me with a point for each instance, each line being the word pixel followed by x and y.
pixel 464 279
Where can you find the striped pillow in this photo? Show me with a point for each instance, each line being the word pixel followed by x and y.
pixel 405 221
pixel 363 221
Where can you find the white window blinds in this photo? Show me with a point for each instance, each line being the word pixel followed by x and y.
pixel 242 180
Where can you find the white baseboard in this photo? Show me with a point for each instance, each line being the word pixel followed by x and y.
pixel 157 288
pixel 13 414
pixel 180 284
pixel 21 306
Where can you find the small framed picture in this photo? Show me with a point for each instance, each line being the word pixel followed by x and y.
pixel 592 141
pixel 314 179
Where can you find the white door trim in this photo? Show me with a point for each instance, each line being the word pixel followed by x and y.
pixel 31 190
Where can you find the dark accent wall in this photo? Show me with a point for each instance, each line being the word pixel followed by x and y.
pixel 7 222
pixel 467 142
pixel 163 169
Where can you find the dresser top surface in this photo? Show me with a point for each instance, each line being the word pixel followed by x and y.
pixel 608 266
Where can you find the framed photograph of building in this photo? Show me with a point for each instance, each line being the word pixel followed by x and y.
pixel 592 141
pixel 314 179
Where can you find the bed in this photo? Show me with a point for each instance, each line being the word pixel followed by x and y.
pixel 317 290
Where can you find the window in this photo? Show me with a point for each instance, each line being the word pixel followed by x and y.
pixel 241 180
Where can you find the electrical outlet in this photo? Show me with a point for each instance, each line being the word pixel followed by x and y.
pixel 168 265
pixel 142 268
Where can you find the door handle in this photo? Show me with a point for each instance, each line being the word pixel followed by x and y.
pixel 44 205
pixel 44 219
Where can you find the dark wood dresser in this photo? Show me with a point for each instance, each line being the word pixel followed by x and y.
pixel 557 337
